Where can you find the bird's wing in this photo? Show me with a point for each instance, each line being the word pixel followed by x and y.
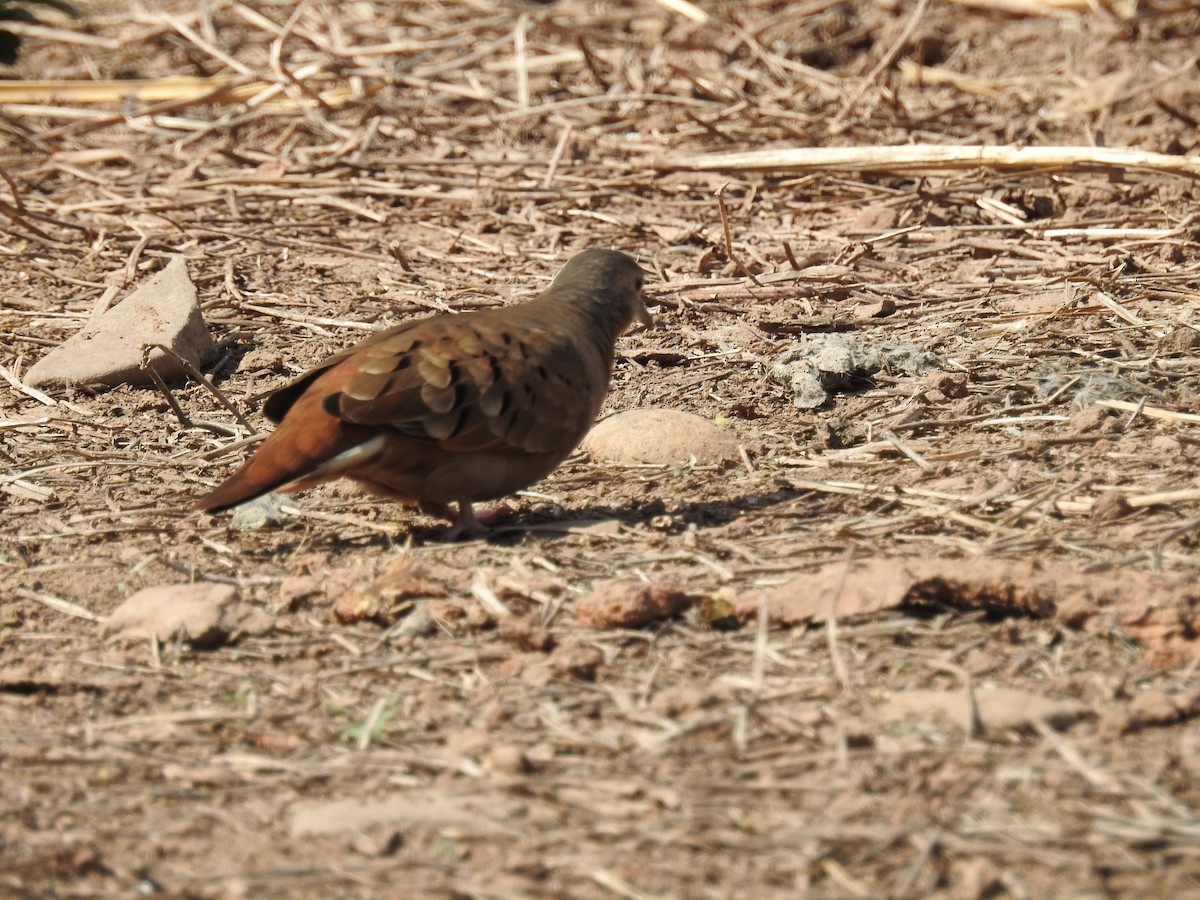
pixel 491 382
pixel 280 401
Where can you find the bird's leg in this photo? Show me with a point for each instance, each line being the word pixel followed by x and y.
pixel 463 523
pixel 467 522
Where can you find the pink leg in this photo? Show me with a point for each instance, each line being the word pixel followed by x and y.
pixel 466 522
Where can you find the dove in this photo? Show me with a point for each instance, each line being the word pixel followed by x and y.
pixel 453 408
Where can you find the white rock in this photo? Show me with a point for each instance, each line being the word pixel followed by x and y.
pixel 206 614
pixel 660 436
pixel 108 349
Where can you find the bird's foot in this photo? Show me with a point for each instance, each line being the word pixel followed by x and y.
pixel 466 522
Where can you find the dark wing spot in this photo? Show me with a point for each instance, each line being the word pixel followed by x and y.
pixel 505 402
pixel 545 375
pixel 404 362
pixel 332 405
pixel 461 423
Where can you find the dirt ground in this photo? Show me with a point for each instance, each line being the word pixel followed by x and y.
pixel 979 673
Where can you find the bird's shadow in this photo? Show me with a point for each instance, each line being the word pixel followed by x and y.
pixel 547 525
pixel 656 515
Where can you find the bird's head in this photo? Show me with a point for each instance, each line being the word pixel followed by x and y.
pixel 609 283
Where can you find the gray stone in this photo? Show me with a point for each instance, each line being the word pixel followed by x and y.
pixel 108 349
pixel 827 363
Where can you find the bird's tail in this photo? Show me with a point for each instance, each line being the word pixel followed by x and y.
pixel 260 474
pixel 289 461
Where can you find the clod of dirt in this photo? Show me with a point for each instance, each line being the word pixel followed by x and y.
pixel 661 437
pixel 260 359
pixel 626 603
pixel 508 759
pixel 525 634
pixel 950 385
pixel 826 363
pixel 205 615
pixel 1110 507
pixel 296 591
pixel 974 879
pixel 995 709
pixel 871 585
pixel 384 598
pixel 380 842
pixel 679 700
pixel 1164 443
pixel 475 816
pixel 108 349
pixel 577 662
pixel 1091 420
pixel 1148 709
pixel 1162 613
pixel 1180 340
pixel 874 309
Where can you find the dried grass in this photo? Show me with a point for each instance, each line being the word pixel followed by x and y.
pixel 327 169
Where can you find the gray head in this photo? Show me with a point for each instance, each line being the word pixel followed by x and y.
pixel 608 283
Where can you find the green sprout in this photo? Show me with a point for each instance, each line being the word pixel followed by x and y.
pixel 353 734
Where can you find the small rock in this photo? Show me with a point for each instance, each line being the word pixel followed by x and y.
pixel 949 384
pixel 508 759
pixel 824 363
pixel 626 603
pixel 1151 708
pixel 1110 507
pixel 660 436
pixel 296 591
pixel 974 878
pixel 206 615
pixel 875 309
pixel 377 842
pixel 108 349
pixel 261 512
pixel 468 741
pixel 678 700
pixel 1180 340
pixel 524 634
pixel 390 595
pixel 1164 443
pixel 578 662
pixel 260 360
pixel 874 218
pixel 1091 419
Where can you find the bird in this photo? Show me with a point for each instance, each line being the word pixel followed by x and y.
pixel 455 408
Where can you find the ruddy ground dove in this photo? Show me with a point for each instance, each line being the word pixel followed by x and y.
pixel 453 408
